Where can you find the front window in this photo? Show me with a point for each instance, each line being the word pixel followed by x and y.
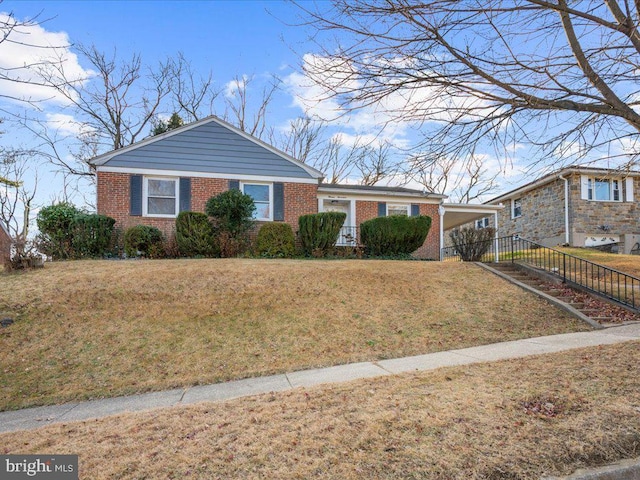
pixel 161 197
pixel 397 210
pixel 482 223
pixel 517 208
pixel 261 194
pixel 603 189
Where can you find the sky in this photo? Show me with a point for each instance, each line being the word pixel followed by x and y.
pixel 232 39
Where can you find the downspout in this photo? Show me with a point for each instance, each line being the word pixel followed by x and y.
pixel 495 226
pixel 441 213
pixel 566 208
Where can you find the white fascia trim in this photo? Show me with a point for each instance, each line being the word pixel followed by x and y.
pixel 389 197
pixel 224 176
pixel 466 208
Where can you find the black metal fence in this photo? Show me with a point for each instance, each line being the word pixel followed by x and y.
pixel 591 276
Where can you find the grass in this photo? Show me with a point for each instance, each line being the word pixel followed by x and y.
pixel 518 419
pixel 629 264
pixel 93 329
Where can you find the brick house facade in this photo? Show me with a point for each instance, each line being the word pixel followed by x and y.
pixel 580 207
pixel 151 181
pixel 5 242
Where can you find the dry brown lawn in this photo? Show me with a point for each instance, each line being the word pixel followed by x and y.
pixel 629 264
pixel 93 329
pixel 515 419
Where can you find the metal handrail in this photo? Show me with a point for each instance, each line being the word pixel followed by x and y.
pixel 591 276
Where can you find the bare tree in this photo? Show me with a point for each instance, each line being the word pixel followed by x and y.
pixel 193 95
pixel 474 74
pixel 120 102
pixel 249 115
pixel 462 181
pixel 16 198
pixel 303 139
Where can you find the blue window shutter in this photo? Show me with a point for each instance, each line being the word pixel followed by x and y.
pixel 185 194
pixel 234 184
pixel 382 209
pixel 415 209
pixel 135 195
pixel 278 202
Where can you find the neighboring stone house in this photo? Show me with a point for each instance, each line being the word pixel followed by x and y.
pixel 576 206
pixel 151 181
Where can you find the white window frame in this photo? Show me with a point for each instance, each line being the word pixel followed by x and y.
pixel 482 223
pixel 398 206
pixel 145 197
pixel 270 185
pixel 513 207
pixel 614 188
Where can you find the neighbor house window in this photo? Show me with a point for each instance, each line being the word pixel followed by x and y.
pixel 516 208
pixel 161 197
pixel 261 194
pixel 397 210
pixel 482 223
pixel 603 189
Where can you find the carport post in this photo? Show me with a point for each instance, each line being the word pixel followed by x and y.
pixel 495 226
pixel 441 213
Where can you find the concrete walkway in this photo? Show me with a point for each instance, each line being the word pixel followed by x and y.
pixel 70 412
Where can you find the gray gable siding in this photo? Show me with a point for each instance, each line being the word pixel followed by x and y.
pixel 208 148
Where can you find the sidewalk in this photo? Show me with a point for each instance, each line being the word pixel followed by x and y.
pixel 69 412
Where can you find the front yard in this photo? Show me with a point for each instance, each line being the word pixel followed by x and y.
pixel 519 419
pixel 91 329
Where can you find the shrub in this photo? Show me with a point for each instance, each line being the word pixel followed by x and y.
pixel 92 235
pixel 396 235
pixel 56 224
pixel 232 215
pixel 319 232
pixel 471 243
pixel 143 240
pixel 276 240
pixel 231 211
pixel 194 235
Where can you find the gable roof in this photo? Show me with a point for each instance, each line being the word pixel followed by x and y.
pixel 211 146
pixel 556 174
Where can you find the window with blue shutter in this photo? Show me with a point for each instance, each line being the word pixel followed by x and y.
pixel 415 209
pixel 382 209
pixel 185 194
pixel 278 202
pixel 234 184
pixel 135 195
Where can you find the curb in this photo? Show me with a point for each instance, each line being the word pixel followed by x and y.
pixel 623 470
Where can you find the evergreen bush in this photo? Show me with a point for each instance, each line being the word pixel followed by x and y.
pixel 472 243
pixel 92 235
pixel 231 213
pixel 195 235
pixel 318 232
pixel 56 225
pixel 276 240
pixel 396 235
pixel 142 240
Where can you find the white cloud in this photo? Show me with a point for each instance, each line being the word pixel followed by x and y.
pixel 67 124
pixel 29 49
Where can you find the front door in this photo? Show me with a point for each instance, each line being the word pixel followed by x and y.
pixel 347 232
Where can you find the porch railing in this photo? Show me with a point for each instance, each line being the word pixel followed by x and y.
pixel 591 276
pixel 348 237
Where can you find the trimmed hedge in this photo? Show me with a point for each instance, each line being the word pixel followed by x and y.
pixel 142 240
pixel 396 235
pixel 276 240
pixel 194 235
pixel 318 232
pixel 92 235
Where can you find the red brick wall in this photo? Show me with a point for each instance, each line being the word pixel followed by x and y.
pixel 113 200
pixel 430 249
